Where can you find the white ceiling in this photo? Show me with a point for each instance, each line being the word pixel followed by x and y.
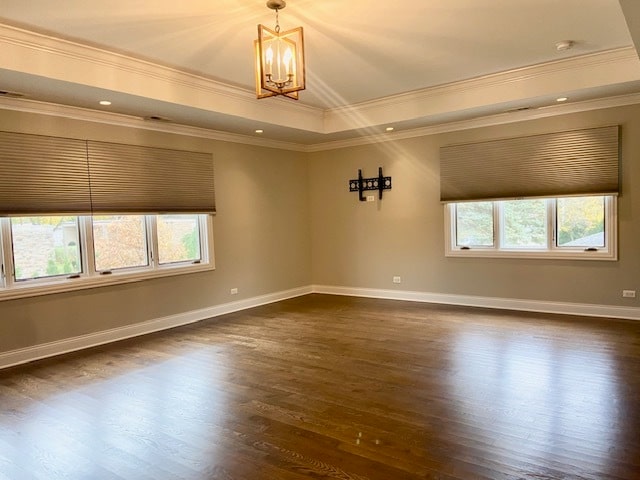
pixel 407 63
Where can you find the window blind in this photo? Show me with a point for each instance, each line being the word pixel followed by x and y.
pixel 138 179
pixel 43 175
pixel 578 162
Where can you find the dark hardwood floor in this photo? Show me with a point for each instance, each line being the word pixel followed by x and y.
pixel 337 388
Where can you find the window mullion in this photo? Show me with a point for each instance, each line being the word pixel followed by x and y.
pixel 450 235
pixel 611 223
pixel 87 247
pixel 205 225
pixel 498 225
pixel 152 240
pixel 7 256
pixel 552 223
pixel 453 224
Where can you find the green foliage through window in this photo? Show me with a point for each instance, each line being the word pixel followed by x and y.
pixel 581 221
pixel 525 223
pixel 474 224
pixel 561 227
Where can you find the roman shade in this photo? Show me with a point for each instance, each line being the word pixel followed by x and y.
pixel 137 179
pixel 578 162
pixel 43 175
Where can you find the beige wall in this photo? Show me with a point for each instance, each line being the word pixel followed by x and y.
pixel 261 236
pixel 358 244
pixel 287 220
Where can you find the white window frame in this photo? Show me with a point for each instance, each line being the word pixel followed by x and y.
pixel 90 278
pixel 608 252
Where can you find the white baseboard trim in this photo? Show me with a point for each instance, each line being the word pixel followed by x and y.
pixel 612 311
pixel 37 352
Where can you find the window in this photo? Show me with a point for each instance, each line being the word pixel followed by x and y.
pixel 474 224
pixel 178 238
pixel 47 254
pixel 83 213
pixel 566 183
pixel 524 223
pixel 45 247
pixel 119 241
pixel 581 222
pixel 569 227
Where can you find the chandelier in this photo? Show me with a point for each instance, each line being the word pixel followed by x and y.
pixel 279 59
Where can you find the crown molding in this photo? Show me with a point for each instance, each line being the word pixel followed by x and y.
pixel 608 58
pixel 64 60
pixel 485 121
pixel 84 114
pixel 38 54
pixel 117 119
pixel 587 71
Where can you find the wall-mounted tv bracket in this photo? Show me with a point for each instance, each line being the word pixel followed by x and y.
pixel 379 183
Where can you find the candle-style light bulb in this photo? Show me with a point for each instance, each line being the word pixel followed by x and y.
pixel 269 58
pixel 288 55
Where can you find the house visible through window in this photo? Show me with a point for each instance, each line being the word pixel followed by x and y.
pixel 83 213
pixel 58 253
pixel 45 247
pixel 552 195
pixel 571 227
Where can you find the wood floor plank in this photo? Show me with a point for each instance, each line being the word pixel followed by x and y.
pixel 337 388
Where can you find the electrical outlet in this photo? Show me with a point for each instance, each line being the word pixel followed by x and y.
pixel 629 293
pixel 371 198
pixel 397 280
pixel 234 291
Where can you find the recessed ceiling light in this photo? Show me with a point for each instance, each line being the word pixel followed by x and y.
pixel 389 129
pixel 105 102
pixel 561 99
pixel 259 131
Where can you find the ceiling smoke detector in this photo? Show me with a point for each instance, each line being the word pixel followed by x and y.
pixel 564 45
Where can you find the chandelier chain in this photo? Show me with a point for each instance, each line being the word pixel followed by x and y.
pixel 277 22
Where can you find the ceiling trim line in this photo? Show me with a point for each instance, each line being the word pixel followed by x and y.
pixel 130 121
pixel 84 114
pixel 484 121
pixel 586 71
pixel 606 57
pixel 25 48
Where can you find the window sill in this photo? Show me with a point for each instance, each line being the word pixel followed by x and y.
pixel 533 254
pixel 36 288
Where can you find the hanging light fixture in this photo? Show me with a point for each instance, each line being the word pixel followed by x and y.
pixel 279 59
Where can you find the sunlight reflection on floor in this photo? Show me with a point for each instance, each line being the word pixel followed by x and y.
pixel 541 395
